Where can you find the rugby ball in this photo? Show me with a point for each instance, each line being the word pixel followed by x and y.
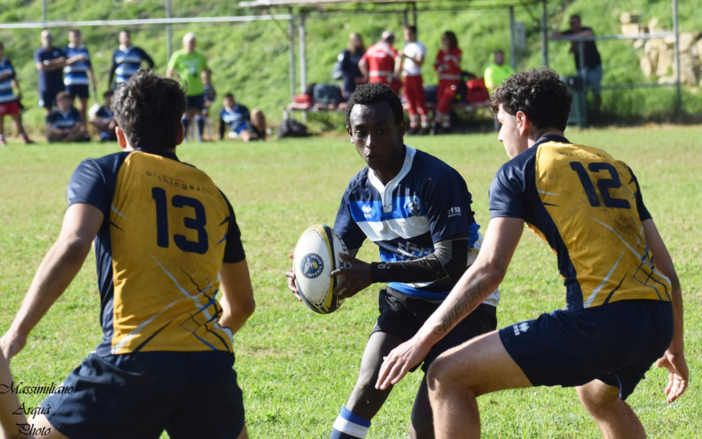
pixel 316 256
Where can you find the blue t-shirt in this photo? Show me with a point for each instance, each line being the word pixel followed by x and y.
pixel 237 118
pixel 166 231
pixel 49 81
pixel 60 120
pixel 6 93
pixel 427 202
pixel 105 113
pixel 77 73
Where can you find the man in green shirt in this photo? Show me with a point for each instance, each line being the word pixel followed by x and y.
pixel 497 72
pixel 190 65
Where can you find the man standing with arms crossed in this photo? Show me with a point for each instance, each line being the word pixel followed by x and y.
pixel 191 66
pixel 164 248
pixel 623 312
pixel 381 63
pixel 126 60
pixel 49 62
pixel 412 86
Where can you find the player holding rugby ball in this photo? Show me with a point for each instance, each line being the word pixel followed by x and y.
pixel 416 208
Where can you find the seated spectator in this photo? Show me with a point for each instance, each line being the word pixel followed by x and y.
pixel 64 124
pixel 242 124
pixel 497 72
pixel 104 119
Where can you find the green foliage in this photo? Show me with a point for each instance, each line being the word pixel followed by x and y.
pixel 251 60
pixel 297 368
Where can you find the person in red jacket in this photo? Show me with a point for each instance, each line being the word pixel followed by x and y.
pixel 381 63
pixel 448 66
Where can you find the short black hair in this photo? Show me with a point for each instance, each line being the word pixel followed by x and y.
pixel 228 95
pixel 148 108
pixel 108 93
pixel 451 37
pixel 538 93
pixel 576 16
pixel 372 94
pixel 412 29
pixel 126 31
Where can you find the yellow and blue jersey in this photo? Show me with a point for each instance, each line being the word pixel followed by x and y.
pixel 166 232
pixel 589 208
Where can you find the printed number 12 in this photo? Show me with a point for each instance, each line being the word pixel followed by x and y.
pixel 603 184
pixel 198 223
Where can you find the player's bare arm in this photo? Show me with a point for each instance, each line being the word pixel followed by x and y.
pixel 61 264
pixel 674 357
pixel 481 279
pixel 237 302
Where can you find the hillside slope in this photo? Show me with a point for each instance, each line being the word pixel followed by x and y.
pixel 251 60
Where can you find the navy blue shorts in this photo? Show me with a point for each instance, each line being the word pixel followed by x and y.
pixel 137 396
pixel 615 343
pixel 196 102
pixel 78 90
pixel 403 315
pixel 47 99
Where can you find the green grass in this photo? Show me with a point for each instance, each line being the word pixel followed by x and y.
pixel 297 368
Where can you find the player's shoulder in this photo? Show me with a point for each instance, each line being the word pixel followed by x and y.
pixel 519 167
pixel 359 181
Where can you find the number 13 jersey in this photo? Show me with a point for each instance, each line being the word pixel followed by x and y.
pixel 166 232
pixel 588 207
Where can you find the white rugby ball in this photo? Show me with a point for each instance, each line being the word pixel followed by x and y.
pixel 316 256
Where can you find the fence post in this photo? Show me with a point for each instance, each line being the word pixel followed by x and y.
pixel 512 43
pixel 169 32
pixel 676 29
pixel 291 48
pixel 544 34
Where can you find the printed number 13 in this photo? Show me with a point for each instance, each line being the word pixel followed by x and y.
pixel 198 223
pixel 603 184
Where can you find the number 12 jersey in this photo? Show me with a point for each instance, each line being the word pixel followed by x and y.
pixel 588 207
pixel 166 232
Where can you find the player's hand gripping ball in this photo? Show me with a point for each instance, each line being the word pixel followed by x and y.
pixel 316 256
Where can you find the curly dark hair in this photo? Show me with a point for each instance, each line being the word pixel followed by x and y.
pixel 148 108
pixel 538 93
pixel 374 93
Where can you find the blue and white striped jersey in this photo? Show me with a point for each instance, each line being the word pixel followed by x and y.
pixel 427 202
pixel 6 93
pixel 60 120
pixel 127 60
pixel 77 73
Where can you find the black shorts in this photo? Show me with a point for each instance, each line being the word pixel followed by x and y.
pixel 196 102
pixel 78 90
pixel 402 315
pixel 47 99
pixel 137 396
pixel 615 343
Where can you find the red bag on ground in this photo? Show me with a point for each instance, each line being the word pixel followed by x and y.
pixel 477 92
pixel 303 99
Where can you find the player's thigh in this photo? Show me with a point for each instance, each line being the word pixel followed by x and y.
pixel 481 365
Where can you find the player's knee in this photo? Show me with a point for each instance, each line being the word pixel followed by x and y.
pixel 598 397
pixel 441 375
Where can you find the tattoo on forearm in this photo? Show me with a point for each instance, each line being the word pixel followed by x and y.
pixel 466 303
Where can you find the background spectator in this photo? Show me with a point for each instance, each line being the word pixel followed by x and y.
pixel 448 66
pixel 9 102
pixel 349 58
pixel 412 83
pixel 190 65
pixel 79 72
pixel 104 119
pixel 49 61
pixel 64 124
pixel 127 59
pixel 210 96
pixel 593 62
pixel 242 124
pixel 497 72
pixel 381 63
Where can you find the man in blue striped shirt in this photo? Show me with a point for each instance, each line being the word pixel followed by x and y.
pixel 78 71
pixel 9 102
pixel 127 59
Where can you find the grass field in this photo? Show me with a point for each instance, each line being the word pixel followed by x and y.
pixel 297 368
